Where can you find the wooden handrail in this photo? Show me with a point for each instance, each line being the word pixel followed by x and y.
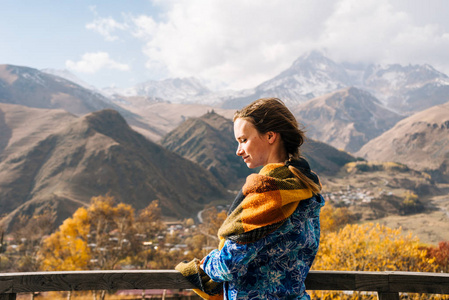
pixel 388 285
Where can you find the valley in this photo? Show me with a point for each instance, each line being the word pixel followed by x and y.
pixel 378 137
pixel 431 226
pixel 396 198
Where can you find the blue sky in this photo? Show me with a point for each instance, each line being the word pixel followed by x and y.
pixel 227 44
pixel 49 34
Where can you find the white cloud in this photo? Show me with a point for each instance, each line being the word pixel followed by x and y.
pixel 144 27
pixel 106 27
pixel 373 31
pixel 93 62
pixel 243 43
pixel 239 42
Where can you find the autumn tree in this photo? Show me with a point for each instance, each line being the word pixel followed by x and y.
pixel 441 255
pixel 334 218
pixel 149 221
pixel 112 237
pixel 97 237
pixel 411 204
pixel 148 226
pixel 370 247
pixel 67 249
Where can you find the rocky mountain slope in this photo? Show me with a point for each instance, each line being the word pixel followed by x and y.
pixel 22 127
pixel 209 141
pixel 162 105
pixel 89 156
pixel 323 158
pixel 407 89
pixel 346 119
pixel 310 76
pixel 66 74
pixel 420 141
pixel 34 88
pixel 164 116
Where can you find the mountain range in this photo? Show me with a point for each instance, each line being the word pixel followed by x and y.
pixel 164 116
pixel 420 141
pixel 33 88
pixel 407 89
pixel 176 90
pixel 309 76
pixel 404 89
pixel 344 105
pixel 209 141
pixel 62 142
pixel 50 158
pixel 346 119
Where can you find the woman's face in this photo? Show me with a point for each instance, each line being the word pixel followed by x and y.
pixel 253 147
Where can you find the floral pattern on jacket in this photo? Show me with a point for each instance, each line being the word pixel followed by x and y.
pixel 275 266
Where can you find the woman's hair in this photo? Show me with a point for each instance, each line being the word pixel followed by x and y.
pixel 271 114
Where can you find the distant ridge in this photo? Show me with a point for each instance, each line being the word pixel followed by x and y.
pixel 174 90
pixel 346 119
pixel 310 76
pixel 407 89
pixel 420 141
pixel 323 158
pixel 161 115
pixel 404 89
pixel 94 155
pixel 33 88
pixel 209 141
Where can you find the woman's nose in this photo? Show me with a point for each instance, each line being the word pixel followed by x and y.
pixel 239 151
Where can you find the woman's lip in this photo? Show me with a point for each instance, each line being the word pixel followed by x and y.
pixel 244 158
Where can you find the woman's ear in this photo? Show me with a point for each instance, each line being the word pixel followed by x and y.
pixel 271 136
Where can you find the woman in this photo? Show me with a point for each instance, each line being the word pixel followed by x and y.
pixel 271 235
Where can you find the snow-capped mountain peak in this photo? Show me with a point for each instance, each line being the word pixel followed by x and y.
pixel 402 88
pixel 173 89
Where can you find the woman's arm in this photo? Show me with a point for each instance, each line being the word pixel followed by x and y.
pixel 230 262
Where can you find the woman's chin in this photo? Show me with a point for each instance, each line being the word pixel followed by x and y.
pixel 251 166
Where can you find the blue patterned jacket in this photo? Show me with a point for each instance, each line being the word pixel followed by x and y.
pixel 275 266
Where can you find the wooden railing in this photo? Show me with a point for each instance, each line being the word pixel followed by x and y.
pixel 388 285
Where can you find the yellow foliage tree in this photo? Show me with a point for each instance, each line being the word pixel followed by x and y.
pixel 67 248
pixel 369 247
pixel 94 238
pixel 149 220
pixel 332 218
pixel 113 233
